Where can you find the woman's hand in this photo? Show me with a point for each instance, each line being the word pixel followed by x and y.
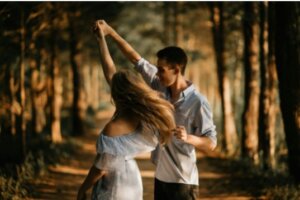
pixel 101 28
pixel 180 133
pixel 98 30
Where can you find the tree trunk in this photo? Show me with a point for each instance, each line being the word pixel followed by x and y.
pixel 55 96
pixel 172 23
pixel 177 23
pixel 14 106
pixel 167 31
pixel 229 128
pixel 250 115
pixel 37 87
pixel 20 119
pixel 267 111
pixel 76 63
pixel 10 142
pixel 288 66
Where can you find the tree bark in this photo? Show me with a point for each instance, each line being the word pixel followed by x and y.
pixel 167 24
pixel 229 128
pixel 20 119
pixel 177 23
pixel 56 88
pixel 172 23
pixel 37 87
pixel 76 63
pixel 250 115
pixel 267 111
pixel 14 106
pixel 288 67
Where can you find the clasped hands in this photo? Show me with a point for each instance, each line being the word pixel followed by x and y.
pixel 101 28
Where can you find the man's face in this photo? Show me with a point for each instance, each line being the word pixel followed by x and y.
pixel 166 74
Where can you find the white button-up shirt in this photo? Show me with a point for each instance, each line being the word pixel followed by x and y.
pixel 176 161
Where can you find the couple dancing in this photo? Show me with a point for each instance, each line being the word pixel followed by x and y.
pixel 156 110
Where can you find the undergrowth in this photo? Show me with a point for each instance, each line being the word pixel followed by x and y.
pixel 14 178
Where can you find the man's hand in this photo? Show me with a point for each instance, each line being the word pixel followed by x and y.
pixel 180 133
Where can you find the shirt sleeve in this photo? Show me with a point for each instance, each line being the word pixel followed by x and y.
pixel 203 123
pixel 148 72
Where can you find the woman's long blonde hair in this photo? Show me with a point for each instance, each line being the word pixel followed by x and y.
pixel 131 94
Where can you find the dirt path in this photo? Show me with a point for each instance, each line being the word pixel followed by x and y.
pixel 217 177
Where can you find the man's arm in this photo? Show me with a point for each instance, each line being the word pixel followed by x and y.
pixel 131 54
pixel 108 66
pixel 204 137
pixel 200 142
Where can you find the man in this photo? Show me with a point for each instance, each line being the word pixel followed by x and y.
pixel 176 175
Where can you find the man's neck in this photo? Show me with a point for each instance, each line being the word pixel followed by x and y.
pixel 179 85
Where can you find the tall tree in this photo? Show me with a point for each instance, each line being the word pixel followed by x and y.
pixel 177 6
pixel 172 22
pixel 229 128
pixel 38 89
pixel 12 142
pixel 76 63
pixel 37 78
pixel 167 24
pixel 20 120
pixel 288 65
pixel 55 80
pixel 268 107
pixel 251 110
pixel 15 107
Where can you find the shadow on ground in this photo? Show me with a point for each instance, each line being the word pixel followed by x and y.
pixel 219 178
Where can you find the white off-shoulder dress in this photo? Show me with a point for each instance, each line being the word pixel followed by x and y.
pixel 116 155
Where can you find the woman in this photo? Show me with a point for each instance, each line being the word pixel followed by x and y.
pixel 140 115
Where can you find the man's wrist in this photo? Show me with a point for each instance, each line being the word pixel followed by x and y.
pixel 189 139
pixel 113 34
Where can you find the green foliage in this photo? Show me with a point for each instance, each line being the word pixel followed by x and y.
pixel 13 178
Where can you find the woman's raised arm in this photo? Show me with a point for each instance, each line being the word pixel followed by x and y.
pixel 108 66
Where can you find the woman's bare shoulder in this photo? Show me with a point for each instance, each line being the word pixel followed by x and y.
pixel 119 128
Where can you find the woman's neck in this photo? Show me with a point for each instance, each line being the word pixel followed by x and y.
pixel 121 123
pixel 121 114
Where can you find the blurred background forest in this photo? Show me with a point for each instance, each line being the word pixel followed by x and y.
pixel 245 57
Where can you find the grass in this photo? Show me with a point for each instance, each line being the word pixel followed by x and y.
pixel 284 192
pixel 244 178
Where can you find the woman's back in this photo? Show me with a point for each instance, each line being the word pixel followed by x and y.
pixel 118 144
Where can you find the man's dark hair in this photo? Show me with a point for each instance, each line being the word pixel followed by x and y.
pixel 174 55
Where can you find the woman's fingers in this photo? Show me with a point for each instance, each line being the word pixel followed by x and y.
pixel 101 24
pixel 180 133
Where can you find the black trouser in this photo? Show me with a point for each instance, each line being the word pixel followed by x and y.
pixel 174 191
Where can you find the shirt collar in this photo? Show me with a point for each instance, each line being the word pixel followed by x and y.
pixel 187 91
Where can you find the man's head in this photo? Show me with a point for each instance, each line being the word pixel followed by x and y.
pixel 171 62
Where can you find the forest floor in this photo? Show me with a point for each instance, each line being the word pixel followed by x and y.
pixel 219 178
